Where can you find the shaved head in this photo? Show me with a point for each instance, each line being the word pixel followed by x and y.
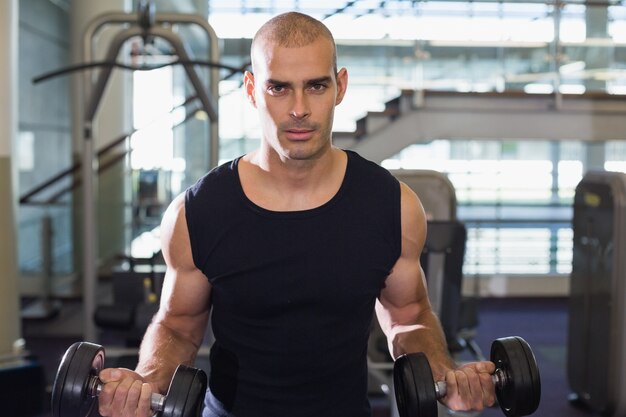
pixel 292 30
pixel 295 87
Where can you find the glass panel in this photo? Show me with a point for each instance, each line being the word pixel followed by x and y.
pixel 507 250
pixel 517 210
pixel 469 46
pixel 615 156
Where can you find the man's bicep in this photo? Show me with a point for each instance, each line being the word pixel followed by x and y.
pixel 405 296
pixel 185 303
pixel 186 293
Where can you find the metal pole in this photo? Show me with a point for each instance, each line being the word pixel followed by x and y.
pixel 45 307
pixel 46 255
pixel 214 54
pixel 558 96
pixel 90 244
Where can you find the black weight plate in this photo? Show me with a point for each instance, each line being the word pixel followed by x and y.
pixel 414 386
pixel 404 386
pixel 535 378
pixel 517 396
pixel 69 393
pixel 59 380
pixel 185 394
pixel 507 354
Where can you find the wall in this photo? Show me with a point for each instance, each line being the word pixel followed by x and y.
pixel 43 147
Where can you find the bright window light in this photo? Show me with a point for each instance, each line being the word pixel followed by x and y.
pixel 538 88
pixel 236 25
pixel 616 89
pixel 572 89
pixel 615 166
pixel 152 144
pixel 434 21
pixel 572 30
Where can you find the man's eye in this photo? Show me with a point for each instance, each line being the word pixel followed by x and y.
pixel 276 89
pixel 318 87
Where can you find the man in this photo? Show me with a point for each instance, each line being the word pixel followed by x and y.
pixel 292 247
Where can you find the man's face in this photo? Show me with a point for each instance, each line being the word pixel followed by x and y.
pixel 295 91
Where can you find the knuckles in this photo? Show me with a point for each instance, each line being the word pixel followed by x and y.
pixel 470 387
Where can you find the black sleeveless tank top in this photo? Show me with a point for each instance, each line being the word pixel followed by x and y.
pixel 293 293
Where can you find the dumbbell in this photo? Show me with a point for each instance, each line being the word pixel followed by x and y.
pixel 76 386
pixel 516 380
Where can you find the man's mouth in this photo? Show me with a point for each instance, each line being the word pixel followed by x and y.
pixel 299 134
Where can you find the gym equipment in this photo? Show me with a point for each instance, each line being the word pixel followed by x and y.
pixel 148 25
pixel 516 380
pixel 137 284
pixel 436 191
pixel 130 319
pixel 445 243
pixel 596 359
pixel 76 386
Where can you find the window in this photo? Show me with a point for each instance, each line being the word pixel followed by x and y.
pixel 515 198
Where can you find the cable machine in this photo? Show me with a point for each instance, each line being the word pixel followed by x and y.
pixel 148 25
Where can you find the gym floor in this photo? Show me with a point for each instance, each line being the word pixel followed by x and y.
pixel 542 322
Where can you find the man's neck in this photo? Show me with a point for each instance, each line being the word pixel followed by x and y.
pixel 285 185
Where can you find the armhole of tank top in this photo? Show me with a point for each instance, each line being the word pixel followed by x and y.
pixel 397 218
pixel 188 221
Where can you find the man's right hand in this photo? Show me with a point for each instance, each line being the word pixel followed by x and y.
pixel 124 394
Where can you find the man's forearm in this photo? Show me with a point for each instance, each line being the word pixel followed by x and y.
pixel 427 336
pixel 161 351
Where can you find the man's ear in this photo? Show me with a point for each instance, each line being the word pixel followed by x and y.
pixel 342 85
pixel 248 83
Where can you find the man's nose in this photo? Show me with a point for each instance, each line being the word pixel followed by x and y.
pixel 300 108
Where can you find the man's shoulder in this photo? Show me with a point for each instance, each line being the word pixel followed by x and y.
pixel 368 169
pixel 213 178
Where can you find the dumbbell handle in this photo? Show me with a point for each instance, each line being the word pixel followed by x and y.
pixel 157 401
pixel 498 377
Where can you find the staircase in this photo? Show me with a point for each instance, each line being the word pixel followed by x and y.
pixel 423 116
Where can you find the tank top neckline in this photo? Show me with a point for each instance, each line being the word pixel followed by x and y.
pixel 294 213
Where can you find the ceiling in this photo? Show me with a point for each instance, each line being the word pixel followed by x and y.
pixel 356 8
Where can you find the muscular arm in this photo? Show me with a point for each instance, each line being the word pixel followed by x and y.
pixel 177 330
pixel 406 317
pixel 403 307
pixel 175 333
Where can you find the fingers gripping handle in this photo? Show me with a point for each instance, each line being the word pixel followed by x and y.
pixel 498 378
pixel 157 401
